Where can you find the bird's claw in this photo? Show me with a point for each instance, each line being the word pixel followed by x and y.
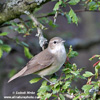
pixel 52 83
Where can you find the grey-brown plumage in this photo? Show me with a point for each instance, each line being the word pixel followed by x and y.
pixel 46 62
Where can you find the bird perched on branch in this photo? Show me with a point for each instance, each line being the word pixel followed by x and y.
pixel 46 62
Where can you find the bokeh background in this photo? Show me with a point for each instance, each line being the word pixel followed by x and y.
pixel 87 31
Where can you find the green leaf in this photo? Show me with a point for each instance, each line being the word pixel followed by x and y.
pixel 56 89
pixel 3 34
pixel 44 83
pixel 67 70
pixel 57 84
pixel 76 97
pixel 35 80
pixel 53 80
pixel 11 73
pixel 24 44
pixel 43 88
pixel 13 23
pixel 56 7
pixel 73 16
pixel 73 2
pixel 82 77
pixel 73 54
pixel 94 56
pixel 96 84
pixel 27 53
pixel 55 96
pixel 86 88
pixel 68 18
pixel 93 6
pixel 75 72
pixel 94 96
pixel 97 67
pixel 52 24
pixel 20 30
pixel 62 97
pixel 65 0
pixel 66 85
pixel 1 42
pixel 47 96
pixel 1 52
pixel 68 76
pixel 6 48
pixel 99 2
pixel 88 74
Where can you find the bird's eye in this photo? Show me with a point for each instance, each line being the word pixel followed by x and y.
pixel 55 42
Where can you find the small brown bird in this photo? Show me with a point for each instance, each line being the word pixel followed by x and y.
pixel 46 62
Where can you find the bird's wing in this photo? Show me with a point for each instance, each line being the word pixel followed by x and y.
pixel 39 62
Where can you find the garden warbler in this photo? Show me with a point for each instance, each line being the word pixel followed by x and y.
pixel 47 61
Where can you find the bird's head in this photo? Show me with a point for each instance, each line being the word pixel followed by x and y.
pixel 56 44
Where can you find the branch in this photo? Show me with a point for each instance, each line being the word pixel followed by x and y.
pixel 14 8
pixel 40 27
pixel 76 11
pixel 72 96
pixel 91 92
pixel 53 14
pixel 69 96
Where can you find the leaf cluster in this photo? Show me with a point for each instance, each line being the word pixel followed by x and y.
pixel 64 84
pixel 4 47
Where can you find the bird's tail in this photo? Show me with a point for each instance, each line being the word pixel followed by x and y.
pixel 19 74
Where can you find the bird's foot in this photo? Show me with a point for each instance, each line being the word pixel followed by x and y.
pixel 52 83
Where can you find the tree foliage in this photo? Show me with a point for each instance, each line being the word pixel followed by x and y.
pixel 63 87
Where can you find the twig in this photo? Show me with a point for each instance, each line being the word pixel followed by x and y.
pixel 40 27
pixel 26 26
pixel 69 96
pixel 53 14
pixel 56 14
pixel 76 11
pixel 55 17
pixel 91 92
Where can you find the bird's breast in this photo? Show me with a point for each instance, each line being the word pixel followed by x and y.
pixel 60 57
